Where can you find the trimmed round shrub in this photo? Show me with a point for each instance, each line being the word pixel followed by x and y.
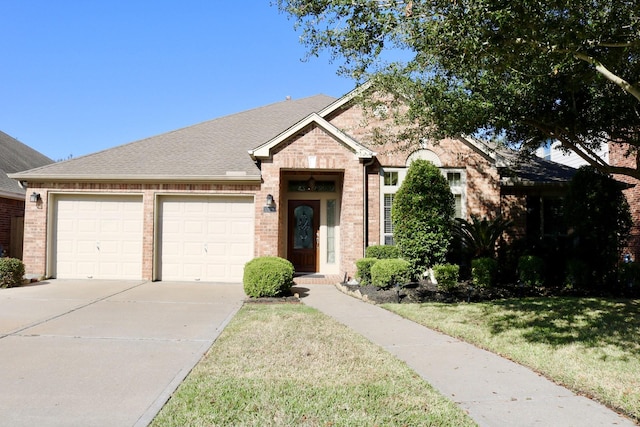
pixel 382 251
pixel 446 275
pixel 11 272
pixel 531 270
pixel 483 271
pixel 363 273
pixel 388 272
pixel 267 276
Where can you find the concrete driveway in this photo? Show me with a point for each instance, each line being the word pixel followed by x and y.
pixel 103 353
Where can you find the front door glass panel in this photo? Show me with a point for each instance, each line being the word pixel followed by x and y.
pixel 303 232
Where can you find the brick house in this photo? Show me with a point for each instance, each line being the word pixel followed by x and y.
pixel 14 157
pixel 299 179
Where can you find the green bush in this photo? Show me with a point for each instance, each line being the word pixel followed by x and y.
pixel 483 271
pixel 577 274
pixel 598 215
pixel 382 251
pixel 446 275
pixel 388 272
pixel 629 274
pixel 531 270
pixel 267 276
pixel 363 273
pixel 421 212
pixel 11 272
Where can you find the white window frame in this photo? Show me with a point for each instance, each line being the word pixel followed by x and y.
pixel 460 190
pixel 388 189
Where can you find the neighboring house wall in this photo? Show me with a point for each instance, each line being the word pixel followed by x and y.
pixel 10 209
pixel 551 151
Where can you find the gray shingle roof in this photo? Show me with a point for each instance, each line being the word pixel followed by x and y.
pixel 214 149
pixel 16 157
pixel 531 170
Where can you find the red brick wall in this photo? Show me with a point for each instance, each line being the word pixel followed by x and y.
pixel 617 157
pixel 9 208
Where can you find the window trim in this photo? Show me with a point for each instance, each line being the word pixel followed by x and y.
pixel 460 190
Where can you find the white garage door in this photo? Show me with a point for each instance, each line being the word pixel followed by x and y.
pixel 205 238
pixel 98 237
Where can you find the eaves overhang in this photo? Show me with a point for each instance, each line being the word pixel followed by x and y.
pixel 264 151
pixel 515 182
pixel 10 195
pixel 229 178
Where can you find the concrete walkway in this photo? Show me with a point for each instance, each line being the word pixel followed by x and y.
pixel 493 390
pixel 103 353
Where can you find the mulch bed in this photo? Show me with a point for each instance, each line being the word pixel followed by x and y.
pixel 425 291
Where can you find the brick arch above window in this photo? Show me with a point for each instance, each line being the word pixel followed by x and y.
pixel 424 154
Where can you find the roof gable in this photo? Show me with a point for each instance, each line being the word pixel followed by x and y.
pixel 264 151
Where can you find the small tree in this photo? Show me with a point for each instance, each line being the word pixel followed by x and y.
pixel 421 213
pixel 599 220
pixel 480 236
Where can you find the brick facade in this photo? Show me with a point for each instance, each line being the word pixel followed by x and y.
pixel 315 152
pixel 618 157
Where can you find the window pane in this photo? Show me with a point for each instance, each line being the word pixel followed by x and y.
pixel 391 178
pixel 454 179
pixel 388 224
pixel 458 200
pixel 331 231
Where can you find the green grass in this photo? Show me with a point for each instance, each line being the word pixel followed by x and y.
pixel 290 365
pixel 590 345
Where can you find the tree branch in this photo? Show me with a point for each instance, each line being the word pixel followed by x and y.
pixel 622 83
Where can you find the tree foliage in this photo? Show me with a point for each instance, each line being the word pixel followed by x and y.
pixel 599 220
pixel 421 213
pixel 526 70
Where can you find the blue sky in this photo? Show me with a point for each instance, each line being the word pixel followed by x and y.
pixel 81 76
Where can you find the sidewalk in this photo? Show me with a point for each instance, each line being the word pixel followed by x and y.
pixel 493 390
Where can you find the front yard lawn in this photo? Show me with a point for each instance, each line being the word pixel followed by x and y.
pixel 290 365
pixel 590 345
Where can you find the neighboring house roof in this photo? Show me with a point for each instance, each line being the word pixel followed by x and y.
pixel 16 157
pixel 210 151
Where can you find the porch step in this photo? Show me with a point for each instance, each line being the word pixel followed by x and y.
pixel 317 279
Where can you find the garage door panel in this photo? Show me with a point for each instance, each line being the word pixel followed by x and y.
pixel 192 248
pixel 209 227
pixel 98 236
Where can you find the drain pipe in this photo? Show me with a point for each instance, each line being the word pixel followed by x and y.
pixel 365 206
